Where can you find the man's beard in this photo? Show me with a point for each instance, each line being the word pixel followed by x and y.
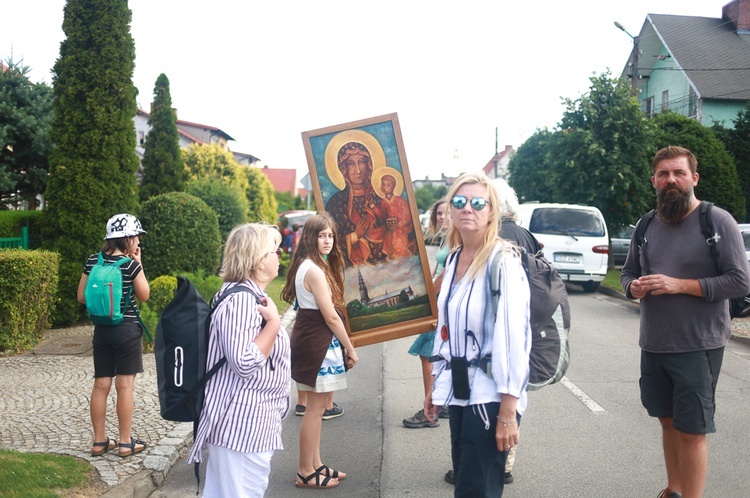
pixel 673 203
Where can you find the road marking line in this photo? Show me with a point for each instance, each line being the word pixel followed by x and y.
pixel 582 396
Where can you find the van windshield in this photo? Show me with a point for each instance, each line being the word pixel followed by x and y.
pixel 566 221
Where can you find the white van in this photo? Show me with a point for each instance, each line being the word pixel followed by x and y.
pixel 574 239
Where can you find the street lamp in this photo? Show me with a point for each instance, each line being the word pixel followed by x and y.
pixel 634 77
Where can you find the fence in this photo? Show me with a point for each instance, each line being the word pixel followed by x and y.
pixel 21 242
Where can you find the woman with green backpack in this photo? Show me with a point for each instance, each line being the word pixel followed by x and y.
pixel 109 281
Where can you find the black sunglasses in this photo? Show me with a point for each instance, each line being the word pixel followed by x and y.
pixel 477 203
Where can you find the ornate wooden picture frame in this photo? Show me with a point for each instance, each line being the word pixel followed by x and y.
pixel 360 176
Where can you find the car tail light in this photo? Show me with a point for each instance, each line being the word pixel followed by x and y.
pixel 601 249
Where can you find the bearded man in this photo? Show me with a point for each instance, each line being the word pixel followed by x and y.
pixel 685 320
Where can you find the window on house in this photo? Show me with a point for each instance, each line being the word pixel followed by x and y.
pixel 664 100
pixel 141 137
pixel 648 107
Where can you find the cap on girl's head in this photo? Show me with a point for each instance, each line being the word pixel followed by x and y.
pixel 123 225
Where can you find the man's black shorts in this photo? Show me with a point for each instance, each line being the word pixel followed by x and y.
pixel 682 386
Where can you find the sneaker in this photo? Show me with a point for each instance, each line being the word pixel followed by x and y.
pixel 450 478
pixel 444 412
pixel 299 410
pixel 666 493
pixel 508 478
pixel 419 420
pixel 334 412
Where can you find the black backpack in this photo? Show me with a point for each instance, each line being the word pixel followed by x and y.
pixel 181 349
pixel 739 307
pixel 549 318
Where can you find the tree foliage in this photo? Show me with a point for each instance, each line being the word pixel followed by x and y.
pixel 227 201
pixel 25 145
pixel 259 193
pixel 718 181
pixel 737 143
pixel 599 156
pixel 427 196
pixel 211 161
pixel 529 168
pixel 93 167
pixel 163 170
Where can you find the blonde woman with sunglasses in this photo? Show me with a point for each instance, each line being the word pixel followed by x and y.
pixel 480 362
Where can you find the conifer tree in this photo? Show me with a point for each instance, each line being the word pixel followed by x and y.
pixel 163 169
pixel 25 122
pixel 93 168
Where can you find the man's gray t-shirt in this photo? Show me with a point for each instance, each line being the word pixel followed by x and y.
pixel 672 323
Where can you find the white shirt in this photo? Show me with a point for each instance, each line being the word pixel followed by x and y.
pixel 509 344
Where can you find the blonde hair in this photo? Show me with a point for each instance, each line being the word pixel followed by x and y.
pixel 490 236
pixel 433 230
pixel 245 249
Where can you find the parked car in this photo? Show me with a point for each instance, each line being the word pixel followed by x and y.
pixel 621 244
pixel 745 231
pixel 287 219
pixel 574 239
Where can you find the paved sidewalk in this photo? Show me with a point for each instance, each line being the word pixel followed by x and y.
pixel 45 409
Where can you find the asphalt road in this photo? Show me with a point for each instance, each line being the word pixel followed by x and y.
pixel 585 437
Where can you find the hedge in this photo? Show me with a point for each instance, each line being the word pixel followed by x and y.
pixel 28 284
pixel 183 235
pixel 12 221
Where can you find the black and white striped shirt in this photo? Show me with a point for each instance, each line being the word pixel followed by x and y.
pixel 247 399
pixel 129 271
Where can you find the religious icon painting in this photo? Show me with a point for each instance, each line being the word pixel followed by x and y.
pixel 360 177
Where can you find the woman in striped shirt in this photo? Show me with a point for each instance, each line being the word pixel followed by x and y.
pixel 483 360
pixel 117 348
pixel 247 399
pixel 315 281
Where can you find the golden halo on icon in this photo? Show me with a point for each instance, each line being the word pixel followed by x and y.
pixel 339 140
pixel 377 177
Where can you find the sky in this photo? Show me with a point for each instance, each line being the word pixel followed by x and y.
pixel 461 76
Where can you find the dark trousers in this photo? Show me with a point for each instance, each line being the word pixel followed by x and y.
pixel 478 465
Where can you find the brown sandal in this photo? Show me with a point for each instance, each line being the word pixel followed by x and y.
pixel 109 444
pixel 317 476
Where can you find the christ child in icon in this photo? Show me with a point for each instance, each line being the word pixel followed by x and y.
pixel 395 210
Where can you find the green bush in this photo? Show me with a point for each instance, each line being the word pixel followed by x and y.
pixel 227 201
pixel 12 221
pixel 162 292
pixel 183 235
pixel 150 320
pixel 28 284
pixel 206 285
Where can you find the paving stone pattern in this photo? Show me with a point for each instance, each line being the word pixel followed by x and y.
pixel 44 408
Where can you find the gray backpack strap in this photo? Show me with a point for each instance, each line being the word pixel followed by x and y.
pixel 495 281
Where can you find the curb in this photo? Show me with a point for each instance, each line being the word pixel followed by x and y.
pixel 742 338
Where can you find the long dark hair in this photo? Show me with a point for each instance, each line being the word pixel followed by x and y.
pixel 307 248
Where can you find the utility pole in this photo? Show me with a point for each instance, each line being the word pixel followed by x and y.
pixel 634 59
pixel 495 158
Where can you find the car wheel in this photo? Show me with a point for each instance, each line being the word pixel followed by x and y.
pixel 590 286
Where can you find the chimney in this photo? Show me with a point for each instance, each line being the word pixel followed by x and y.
pixel 738 13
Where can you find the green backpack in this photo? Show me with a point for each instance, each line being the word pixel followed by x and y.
pixel 103 292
